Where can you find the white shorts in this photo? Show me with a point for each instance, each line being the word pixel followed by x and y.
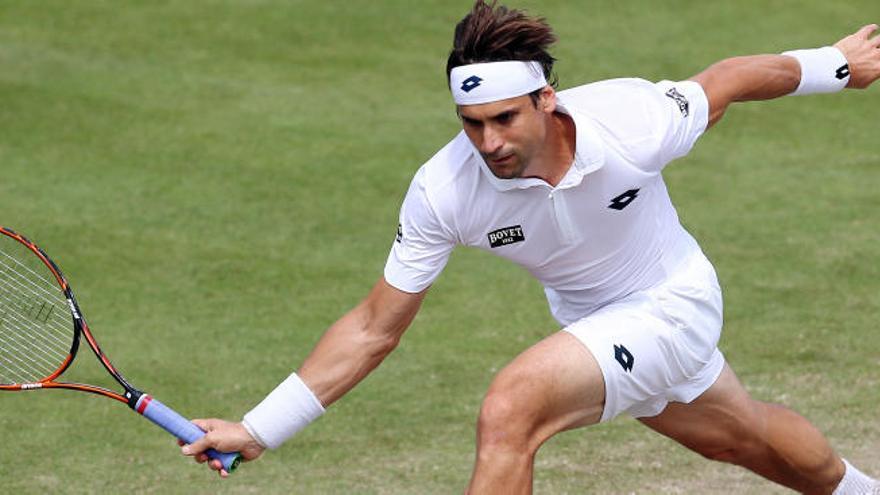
pixel 658 345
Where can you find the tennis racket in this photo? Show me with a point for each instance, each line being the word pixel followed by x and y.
pixel 38 342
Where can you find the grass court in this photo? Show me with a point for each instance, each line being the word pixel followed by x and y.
pixel 220 180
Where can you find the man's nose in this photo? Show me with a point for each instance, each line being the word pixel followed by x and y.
pixel 492 141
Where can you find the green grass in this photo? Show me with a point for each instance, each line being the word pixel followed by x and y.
pixel 220 180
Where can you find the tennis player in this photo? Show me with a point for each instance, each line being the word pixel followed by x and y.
pixel 568 185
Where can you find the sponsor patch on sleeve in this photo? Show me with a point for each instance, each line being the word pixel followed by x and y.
pixel 680 100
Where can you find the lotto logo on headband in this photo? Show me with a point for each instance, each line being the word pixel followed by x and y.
pixel 470 83
pixel 496 81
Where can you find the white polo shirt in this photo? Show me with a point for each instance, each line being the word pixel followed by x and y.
pixel 606 230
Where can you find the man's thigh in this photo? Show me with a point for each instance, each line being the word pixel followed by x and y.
pixel 720 417
pixel 554 385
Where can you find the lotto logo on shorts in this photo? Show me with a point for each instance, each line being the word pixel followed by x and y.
pixel 624 357
pixel 506 235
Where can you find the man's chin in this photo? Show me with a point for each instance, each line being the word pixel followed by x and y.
pixel 505 174
pixel 505 171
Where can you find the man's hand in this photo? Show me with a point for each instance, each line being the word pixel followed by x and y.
pixel 222 436
pixel 863 55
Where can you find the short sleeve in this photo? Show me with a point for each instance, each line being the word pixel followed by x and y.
pixel 423 244
pixel 682 113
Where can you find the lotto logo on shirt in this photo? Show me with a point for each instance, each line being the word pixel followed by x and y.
pixel 506 235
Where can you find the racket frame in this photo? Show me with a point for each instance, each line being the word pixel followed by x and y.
pixel 137 400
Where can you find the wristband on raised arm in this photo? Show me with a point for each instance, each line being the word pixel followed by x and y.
pixel 823 70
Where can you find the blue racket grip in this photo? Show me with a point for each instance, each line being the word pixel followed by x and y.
pixel 181 428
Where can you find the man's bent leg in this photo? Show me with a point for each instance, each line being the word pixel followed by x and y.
pixel 727 425
pixel 553 386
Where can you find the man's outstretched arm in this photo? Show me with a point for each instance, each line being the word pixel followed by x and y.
pixel 345 354
pixel 763 77
pixel 359 341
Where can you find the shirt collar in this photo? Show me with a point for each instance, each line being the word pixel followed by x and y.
pixel 589 156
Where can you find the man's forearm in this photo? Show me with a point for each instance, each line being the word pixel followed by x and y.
pixel 749 78
pixel 355 345
pixel 347 352
pixel 852 62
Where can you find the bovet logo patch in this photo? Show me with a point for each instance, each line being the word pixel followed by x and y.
pixel 506 235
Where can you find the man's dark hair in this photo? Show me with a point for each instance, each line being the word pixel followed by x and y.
pixel 491 33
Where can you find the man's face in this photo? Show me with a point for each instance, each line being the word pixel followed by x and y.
pixel 507 133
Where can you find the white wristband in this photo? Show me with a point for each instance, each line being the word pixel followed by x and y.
pixel 823 70
pixel 283 413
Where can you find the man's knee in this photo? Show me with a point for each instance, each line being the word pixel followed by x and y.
pixel 507 420
pixel 553 386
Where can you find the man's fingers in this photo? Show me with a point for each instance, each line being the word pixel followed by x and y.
pixel 197 447
pixel 204 424
pixel 221 436
pixel 201 444
pixel 866 31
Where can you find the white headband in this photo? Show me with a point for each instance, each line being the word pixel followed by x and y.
pixel 492 81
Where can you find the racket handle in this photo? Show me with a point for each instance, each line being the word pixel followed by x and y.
pixel 181 428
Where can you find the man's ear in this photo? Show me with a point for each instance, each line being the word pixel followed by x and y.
pixel 547 99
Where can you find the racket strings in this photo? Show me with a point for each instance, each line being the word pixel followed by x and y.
pixel 36 301
pixel 25 351
pixel 51 313
pixel 20 342
pixel 35 328
pixel 39 303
